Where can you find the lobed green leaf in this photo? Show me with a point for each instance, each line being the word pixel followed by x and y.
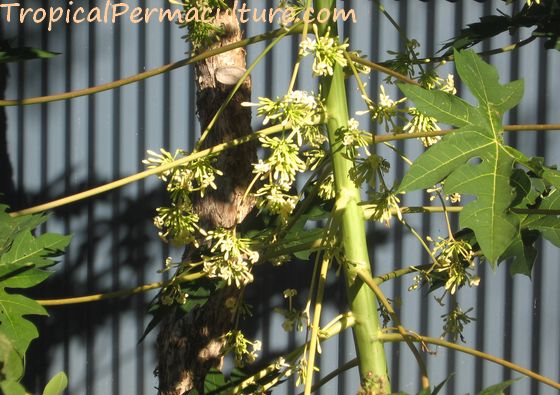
pixel 479 139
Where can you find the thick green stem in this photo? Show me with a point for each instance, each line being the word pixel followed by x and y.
pixel 362 300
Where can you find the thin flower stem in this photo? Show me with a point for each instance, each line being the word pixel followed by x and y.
pixel 356 75
pixel 425 381
pixel 394 337
pixel 316 322
pixel 420 239
pixel 507 128
pixel 299 55
pixel 398 152
pixel 320 173
pixel 122 293
pixel 399 273
pixel 399 29
pixel 453 209
pixel 221 147
pixel 314 276
pixel 146 173
pixel 495 51
pixel 447 222
pixel 341 369
pixel 150 73
pixel 333 328
pixel 317 277
pixel 382 69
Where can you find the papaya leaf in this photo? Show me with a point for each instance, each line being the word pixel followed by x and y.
pixel 10 226
pixel 56 385
pixel 497 389
pixel 440 386
pixel 10 361
pixel 22 260
pixel 12 388
pixel 198 292
pixel 26 53
pixel 213 381
pixel 523 252
pixel 479 137
pixel 548 225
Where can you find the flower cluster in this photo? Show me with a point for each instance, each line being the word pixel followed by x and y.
pixel 300 111
pixel 233 258
pixel 201 31
pixel 244 351
pixel 385 205
pixel 456 262
pixel 353 138
pixel 367 169
pixel 283 163
pixel 327 51
pixel 454 267
pixel 178 222
pixel 326 188
pixel 454 323
pixel 384 111
pixel 293 318
pixel 403 62
pixel 173 294
pixel 437 189
pixel 419 122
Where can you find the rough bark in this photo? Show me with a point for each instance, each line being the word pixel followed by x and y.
pixel 190 344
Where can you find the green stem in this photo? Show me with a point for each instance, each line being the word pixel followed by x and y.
pixel 150 73
pixel 221 147
pixel 299 56
pixel 119 294
pixel 399 273
pixel 382 69
pixel 341 369
pixel 495 51
pixel 333 328
pixel 394 337
pixel 316 322
pixel 507 128
pixel 150 172
pixel 453 209
pixel 371 355
pixel 366 277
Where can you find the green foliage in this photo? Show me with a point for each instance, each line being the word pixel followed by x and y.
pixel 479 136
pixel 543 16
pixel 197 293
pixel 497 389
pixel 24 259
pixel 8 54
pixel 427 391
pixel 216 382
pixel 56 385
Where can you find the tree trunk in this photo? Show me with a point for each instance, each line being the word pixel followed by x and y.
pixel 190 344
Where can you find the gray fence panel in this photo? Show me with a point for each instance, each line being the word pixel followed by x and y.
pixel 64 147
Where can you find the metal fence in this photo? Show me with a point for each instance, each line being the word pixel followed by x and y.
pixel 67 146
